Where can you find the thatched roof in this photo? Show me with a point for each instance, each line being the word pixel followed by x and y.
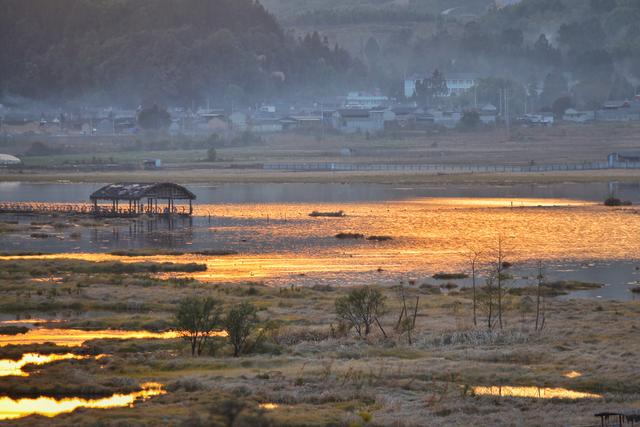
pixel 137 191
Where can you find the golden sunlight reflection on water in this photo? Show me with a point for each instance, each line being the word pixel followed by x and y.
pixel 268 406
pixel 14 367
pixel 77 337
pixel 428 236
pixel 572 374
pixel 534 392
pixel 50 407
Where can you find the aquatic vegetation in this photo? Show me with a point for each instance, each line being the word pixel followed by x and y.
pixel 614 201
pixel 450 276
pixel 336 214
pixel 13 330
pixel 345 235
pixel 379 238
pixel 52 266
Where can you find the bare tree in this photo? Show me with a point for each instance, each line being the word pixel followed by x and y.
pixel 474 256
pixel 540 308
pixel 499 266
pixel 406 321
pixel 489 297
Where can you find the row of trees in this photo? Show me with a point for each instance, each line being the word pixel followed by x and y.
pixel 200 319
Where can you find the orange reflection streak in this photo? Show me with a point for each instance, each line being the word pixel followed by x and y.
pixel 268 406
pixel 77 337
pixel 14 367
pixel 534 392
pixel 50 407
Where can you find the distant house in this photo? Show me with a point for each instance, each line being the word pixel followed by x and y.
pixel 488 114
pixel 365 100
pixel 573 115
pixel 459 83
pixel 150 164
pixel 448 119
pixel 538 119
pixel 362 120
pixel 619 111
pixel 308 123
pixel 624 156
pixel 265 125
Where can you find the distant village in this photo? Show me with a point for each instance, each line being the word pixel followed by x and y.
pixel 367 113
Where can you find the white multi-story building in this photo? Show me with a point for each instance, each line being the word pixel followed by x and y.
pixel 457 84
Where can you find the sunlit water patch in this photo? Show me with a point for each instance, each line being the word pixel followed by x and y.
pixel 280 244
pixel 50 407
pixel 269 406
pixel 77 337
pixel 14 367
pixel 572 374
pixel 534 392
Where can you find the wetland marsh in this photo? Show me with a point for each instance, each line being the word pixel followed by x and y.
pixel 97 298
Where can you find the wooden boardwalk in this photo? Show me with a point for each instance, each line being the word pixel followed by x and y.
pixel 28 208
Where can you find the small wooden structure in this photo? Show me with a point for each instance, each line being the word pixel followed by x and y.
pixel 133 199
pixel 620 418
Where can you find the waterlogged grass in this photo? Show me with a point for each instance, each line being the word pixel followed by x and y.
pixel 48 267
pixel 156 252
pixel 450 276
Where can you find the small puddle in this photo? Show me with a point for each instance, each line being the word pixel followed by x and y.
pixel 14 367
pixel 50 407
pixel 77 337
pixel 268 406
pixel 572 374
pixel 534 392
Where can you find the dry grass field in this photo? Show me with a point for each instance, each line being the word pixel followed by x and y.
pixel 557 145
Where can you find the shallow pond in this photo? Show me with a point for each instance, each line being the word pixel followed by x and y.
pixel 77 337
pixel 14 367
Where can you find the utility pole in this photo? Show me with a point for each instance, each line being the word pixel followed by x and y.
pixel 507 112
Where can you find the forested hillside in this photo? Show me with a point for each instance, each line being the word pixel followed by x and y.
pixel 372 11
pixel 590 48
pixel 165 50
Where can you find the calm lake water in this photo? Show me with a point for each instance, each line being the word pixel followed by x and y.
pixel 432 228
pixel 310 192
